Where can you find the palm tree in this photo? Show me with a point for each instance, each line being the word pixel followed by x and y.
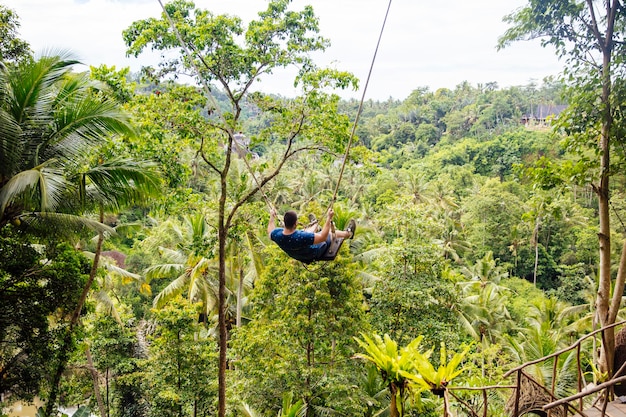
pixel 483 274
pixel 193 273
pixel 416 184
pixel 450 234
pixel 50 117
pixel 196 275
pixel 538 341
pixel 482 311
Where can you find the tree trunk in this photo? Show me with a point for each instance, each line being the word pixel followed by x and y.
pixel 240 297
pixel 604 236
pixel 536 242
pixel 221 235
pixel 96 382
pixel 67 341
pixel 393 407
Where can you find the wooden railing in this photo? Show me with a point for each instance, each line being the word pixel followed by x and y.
pixel 550 408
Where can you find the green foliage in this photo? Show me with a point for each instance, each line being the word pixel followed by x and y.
pixel 57 118
pixel 291 409
pixel 482 311
pixel 576 287
pixel 396 366
pixel 451 192
pixel 121 89
pixel 413 299
pixel 491 216
pixel 12 48
pixel 178 375
pixel 407 370
pixel 448 369
pixel 114 349
pixel 518 303
pixel 592 124
pixel 35 286
pixel 168 120
pixel 310 312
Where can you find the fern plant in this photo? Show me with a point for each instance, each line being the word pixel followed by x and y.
pixel 395 365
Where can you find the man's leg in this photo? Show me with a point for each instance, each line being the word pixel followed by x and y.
pixel 349 232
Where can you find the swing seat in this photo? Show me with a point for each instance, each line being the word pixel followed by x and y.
pixel 335 244
pixel 333 249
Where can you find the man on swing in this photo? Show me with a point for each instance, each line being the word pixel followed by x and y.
pixel 306 245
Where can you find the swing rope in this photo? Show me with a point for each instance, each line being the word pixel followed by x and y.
pixel 358 114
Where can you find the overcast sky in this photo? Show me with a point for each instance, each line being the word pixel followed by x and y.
pixel 426 43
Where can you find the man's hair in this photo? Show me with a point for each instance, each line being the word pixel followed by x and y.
pixel 290 219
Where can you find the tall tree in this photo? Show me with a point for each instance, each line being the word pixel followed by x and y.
pixel 178 372
pixel 56 118
pixel 589 36
pixel 314 314
pixel 33 287
pixel 221 50
pixel 53 118
pixel 12 48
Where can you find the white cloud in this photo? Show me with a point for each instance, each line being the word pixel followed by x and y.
pixel 425 43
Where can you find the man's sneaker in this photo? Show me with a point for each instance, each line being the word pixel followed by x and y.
pixel 313 221
pixel 351 228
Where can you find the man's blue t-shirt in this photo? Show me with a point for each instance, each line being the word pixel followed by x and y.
pixel 299 245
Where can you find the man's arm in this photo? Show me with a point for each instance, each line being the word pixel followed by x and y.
pixel 322 235
pixel 272 223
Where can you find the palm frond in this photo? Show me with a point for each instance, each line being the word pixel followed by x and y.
pixel 30 83
pixel 107 263
pixel 172 290
pixel 248 411
pixel 106 304
pixel 319 410
pixel 88 119
pixel 371 254
pixel 126 229
pixel 368 280
pixel 40 189
pixel 173 256
pixel 63 224
pixel 466 323
pixel 163 270
pixel 118 183
pixel 10 145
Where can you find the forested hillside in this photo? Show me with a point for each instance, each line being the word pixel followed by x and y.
pixel 136 271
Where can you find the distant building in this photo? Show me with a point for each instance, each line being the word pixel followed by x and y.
pixel 241 144
pixel 542 114
pixel 242 140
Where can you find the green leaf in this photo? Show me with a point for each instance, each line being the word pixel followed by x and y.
pixel 83 411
